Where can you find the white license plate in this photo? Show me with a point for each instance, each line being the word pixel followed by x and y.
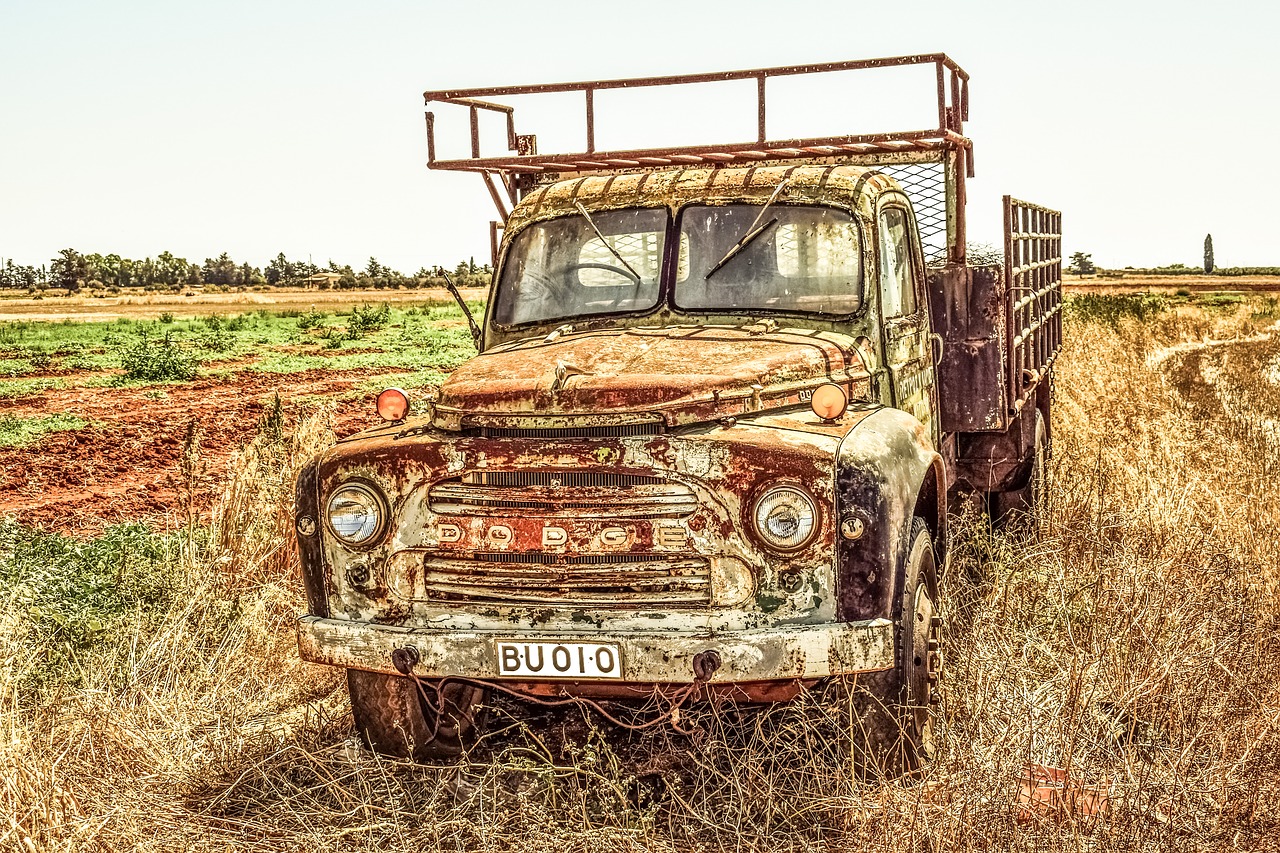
pixel 558 660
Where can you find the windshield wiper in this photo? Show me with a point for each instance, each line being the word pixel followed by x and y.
pixel 613 251
pixel 751 234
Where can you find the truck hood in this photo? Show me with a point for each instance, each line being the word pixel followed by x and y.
pixel 670 376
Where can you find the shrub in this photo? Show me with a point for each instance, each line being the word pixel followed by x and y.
pixel 368 319
pixel 310 320
pixel 335 337
pixel 161 360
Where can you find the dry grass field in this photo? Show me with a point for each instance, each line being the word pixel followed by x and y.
pixel 1132 646
pixel 1169 285
pixel 148 306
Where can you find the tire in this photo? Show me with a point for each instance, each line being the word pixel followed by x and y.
pixel 891 710
pixel 1027 503
pixel 395 718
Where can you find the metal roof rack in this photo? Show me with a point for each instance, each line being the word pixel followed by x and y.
pixel 520 170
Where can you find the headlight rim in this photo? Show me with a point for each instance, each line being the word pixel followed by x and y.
pixel 384 514
pixel 764 540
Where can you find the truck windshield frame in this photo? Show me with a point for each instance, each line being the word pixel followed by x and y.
pixel 807 259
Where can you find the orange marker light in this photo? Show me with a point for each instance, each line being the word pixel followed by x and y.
pixel 393 405
pixel 829 402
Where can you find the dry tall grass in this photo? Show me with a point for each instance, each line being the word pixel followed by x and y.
pixel 1133 645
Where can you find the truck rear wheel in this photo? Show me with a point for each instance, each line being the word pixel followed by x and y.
pixel 1027 502
pixel 891 710
pixel 396 716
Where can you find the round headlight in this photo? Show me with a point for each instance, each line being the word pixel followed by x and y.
pixel 785 518
pixel 355 514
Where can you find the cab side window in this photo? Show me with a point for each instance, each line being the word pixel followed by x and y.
pixel 897 265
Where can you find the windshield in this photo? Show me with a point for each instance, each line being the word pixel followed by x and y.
pixel 791 259
pixel 736 258
pixel 562 268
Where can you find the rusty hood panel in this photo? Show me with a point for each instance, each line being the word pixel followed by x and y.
pixel 679 375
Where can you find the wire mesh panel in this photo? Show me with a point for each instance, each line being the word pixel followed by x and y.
pixel 926 185
pixel 1033 270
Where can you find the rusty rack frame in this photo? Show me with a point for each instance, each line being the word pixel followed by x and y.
pixel 945 144
pixel 1033 270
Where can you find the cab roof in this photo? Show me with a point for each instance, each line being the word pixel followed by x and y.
pixel 853 188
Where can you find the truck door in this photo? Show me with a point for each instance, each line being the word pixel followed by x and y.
pixel 905 317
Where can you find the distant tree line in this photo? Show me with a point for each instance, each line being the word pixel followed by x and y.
pixel 72 271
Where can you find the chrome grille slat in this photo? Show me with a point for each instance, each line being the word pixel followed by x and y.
pixel 612 598
pixel 569 479
pixel 545 558
pixel 617 431
pixel 604 580
pixel 581 494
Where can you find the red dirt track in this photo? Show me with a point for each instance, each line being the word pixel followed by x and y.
pixel 127 464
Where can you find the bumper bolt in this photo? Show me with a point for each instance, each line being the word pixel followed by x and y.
pixel 405 659
pixel 705 664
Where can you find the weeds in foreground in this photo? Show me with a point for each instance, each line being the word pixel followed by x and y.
pixel 1134 644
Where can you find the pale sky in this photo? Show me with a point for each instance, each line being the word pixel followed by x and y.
pixel 268 126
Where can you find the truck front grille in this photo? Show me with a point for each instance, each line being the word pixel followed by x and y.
pixel 542 433
pixel 582 494
pixel 595 580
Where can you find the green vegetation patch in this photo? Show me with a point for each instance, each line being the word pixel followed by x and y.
pixel 72 597
pixel 19 432
pixel 16 366
pixel 426 340
pixel 1111 308
pixel 1221 299
pixel 14 388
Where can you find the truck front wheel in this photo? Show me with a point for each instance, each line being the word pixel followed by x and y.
pixel 396 716
pixel 891 710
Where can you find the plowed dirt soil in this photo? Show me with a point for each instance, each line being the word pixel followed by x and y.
pixel 127 464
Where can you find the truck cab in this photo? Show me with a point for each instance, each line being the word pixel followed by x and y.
pixel 704 452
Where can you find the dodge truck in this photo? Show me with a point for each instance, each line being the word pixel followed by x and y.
pixel 724 397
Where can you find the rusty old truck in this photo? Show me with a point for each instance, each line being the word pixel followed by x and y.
pixel 724 397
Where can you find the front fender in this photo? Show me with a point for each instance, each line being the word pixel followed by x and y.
pixel 887 473
pixel 310 557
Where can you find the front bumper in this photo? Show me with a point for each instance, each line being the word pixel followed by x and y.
pixel 788 653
